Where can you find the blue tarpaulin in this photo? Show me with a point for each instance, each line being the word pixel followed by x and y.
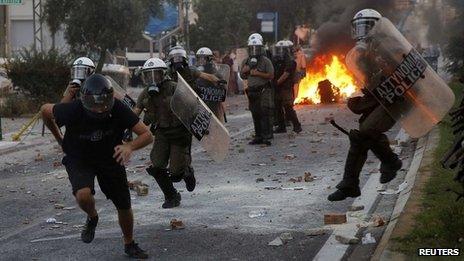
pixel 170 20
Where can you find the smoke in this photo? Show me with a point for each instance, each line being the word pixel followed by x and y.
pixel 334 20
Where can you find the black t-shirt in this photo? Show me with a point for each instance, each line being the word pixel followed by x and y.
pixel 89 138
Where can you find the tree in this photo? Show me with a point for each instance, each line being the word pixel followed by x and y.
pixel 221 24
pixel 454 52
pixel 55 12
pixel 93 27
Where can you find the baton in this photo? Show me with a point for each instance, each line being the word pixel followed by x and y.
pixel 339 127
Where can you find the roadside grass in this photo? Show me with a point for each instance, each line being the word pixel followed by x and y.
pixel 440 224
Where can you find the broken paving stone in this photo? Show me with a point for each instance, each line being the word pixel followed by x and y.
pixel 259 180
pixel 57 164
pixel 142 190
pixel 295 180
pixel 276 242
pixel 132 184
pixel 347 240
pixel 51 220
pixel 334 218
pixel 177 224
pixel 316 232
pixel 290 157
pixel 356 208
pixel 378 221
pixel 368 239
pixel 308 177
pixel 286 237
pixel 38 157
pixel 59 206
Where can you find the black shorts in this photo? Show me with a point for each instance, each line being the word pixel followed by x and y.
pixel 111 177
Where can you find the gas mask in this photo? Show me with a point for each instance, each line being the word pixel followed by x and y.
pixel 79 73
pixel 153 78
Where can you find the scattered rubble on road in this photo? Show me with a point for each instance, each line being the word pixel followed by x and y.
pixel 286 237
pixel 355 208
pixel 378 221
pixel 276 242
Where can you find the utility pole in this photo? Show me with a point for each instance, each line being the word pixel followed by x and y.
pixel 187 26
pixel 37 24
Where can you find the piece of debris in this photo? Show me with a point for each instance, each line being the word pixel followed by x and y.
pixel 177 224
pixel 69 208
pixel 316 232
pixel 57 164
pixel 276 242
pixel 286 237
pixel 308 177
pixel 59 206
pixel 51 221
pixel 282 172
pixel 401 187
pixel 378 221
pixel 271 188
pixel 347 240
pixel 132 184
pixel 296 179
pixel 142 190
pixel 334 218
pixel 294 188
pixel 355 208
pixel 257 213
pixel 368 239
pixel 259 180
pixel 290 157
pixel 38 157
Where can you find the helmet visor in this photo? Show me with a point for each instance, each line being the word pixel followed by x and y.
pixel 98 103
pixel 152 76
pixel 361 27
pixel 280 51
pixel 81 72
pixel 255 50
pixel 177 58
pixel 202 60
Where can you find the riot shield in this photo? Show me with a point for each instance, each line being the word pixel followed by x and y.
pixel 200 121
pixel 121 94
pixel 400 79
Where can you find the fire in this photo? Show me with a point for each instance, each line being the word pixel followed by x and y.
pixel 325 68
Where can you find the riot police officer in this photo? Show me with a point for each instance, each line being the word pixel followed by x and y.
pixel 259 72
pixel 285 69
pixel 374 121
pixel 211 93
pixel 178 63
pixel 81 69
pixel 172 146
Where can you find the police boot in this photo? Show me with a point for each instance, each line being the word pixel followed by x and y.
pixel 357 155
pixel 171 196
pixel 390 163
pixel 189 178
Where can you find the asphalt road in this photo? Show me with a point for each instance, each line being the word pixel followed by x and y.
pixel 238 207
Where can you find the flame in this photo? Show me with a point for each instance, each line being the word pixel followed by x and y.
pixel 325 67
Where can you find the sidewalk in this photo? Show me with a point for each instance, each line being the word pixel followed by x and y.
pixel 408 203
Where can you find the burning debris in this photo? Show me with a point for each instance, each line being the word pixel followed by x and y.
pixel 327 80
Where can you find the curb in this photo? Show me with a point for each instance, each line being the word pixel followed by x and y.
pixel 424 145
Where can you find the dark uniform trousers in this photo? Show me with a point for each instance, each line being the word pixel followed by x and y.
pixel 262 106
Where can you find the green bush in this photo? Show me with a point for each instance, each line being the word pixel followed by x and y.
pixel 40 76
pixel 14 105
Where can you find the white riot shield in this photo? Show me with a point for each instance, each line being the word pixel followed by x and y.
pixel 400 79
pixel 200 121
